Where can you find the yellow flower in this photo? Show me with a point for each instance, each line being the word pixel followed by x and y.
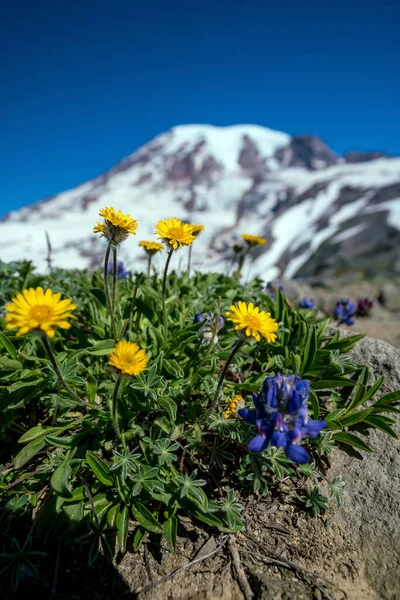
pixel 234 404
pixel 116 226
pixel 128 358
pixel 196 229
pixel 39 311
pixel 151 247
pixel 253 321
pixel 254 240
pixel 175 233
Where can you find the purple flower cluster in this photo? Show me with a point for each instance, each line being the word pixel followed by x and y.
pixel 281 416
pixel 121 272
pixel 306 303
pixel 210 326
pixel 364 307
pixel 344 311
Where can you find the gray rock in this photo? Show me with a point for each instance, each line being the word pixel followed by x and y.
pixel 390 296
pixel 370 515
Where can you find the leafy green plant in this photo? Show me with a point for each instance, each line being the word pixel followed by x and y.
pixel 96 455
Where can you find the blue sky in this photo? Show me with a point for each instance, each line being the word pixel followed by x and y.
pixel 86 82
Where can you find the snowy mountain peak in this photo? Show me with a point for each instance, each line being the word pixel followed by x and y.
pixel 319 211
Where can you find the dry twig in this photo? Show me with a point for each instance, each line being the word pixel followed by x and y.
pixel 239 571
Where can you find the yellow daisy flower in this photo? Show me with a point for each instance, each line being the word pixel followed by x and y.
pixel 254 240
pixel 38 311
pixel 234 404
pixel 175 233
pixel 128 358
pixel 151 247
pixel 253 321
pixel 116 226
pixel 196 229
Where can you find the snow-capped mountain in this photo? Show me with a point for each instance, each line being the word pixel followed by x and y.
pixel 321 213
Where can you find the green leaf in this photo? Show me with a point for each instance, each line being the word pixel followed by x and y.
pixel 7 365
pixel 391 398
pixel 296 363
pixel 122 528
pixel 28 452
pixel 309 350
pixel 170 531
pixel 73 511
pixel 351 440
pixel 144 309
pixel 327 384
pixel 101 504
pixel 99 468
pixel 355 417
pixel 63 442
pixel 380 423
pixel 173 368
pixel 314 404
pixel 78 493
pixel 8 345
pixel 112 515
pixel 169 406
pixel 100 296
pixel 123 489
pixel 140 534
pixel 335 414
pixel 357 397
pixel 91 388
pixel 374 388
pixel 101 348
pixel 59 480
pixel 157 338
pixel 37 432
pixel 346 344
pixel 145 518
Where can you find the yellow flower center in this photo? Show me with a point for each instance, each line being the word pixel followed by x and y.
pixel 177 233
pixel 252 322
pixel 41 312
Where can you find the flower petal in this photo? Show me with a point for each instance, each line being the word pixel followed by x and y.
pixel 297 454
pixel 258 444
pixel 313 428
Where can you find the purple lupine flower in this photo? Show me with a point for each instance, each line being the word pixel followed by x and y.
pixel 306 303
pixel 344 310
pixel 364 307
pixel 210 327
pixel 281 417
pixel 121 273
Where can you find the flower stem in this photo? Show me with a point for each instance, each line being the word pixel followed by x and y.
pixel 148 268
pixel 235 349
pixel 114 406
pixel 107 291
pixel 189 260
pixel 114 282
pixel 164 285
pixel 58 372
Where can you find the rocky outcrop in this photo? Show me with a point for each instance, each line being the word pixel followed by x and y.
pixel 308 151
pixel 370 515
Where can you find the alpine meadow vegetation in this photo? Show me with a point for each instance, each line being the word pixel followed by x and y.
pixel 129 400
